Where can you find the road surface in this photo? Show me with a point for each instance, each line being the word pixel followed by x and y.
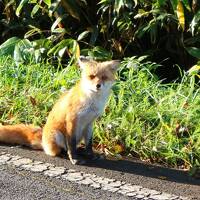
pixel 28 174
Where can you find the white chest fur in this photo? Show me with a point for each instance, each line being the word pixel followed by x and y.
pixel 93 107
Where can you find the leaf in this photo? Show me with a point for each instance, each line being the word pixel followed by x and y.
pixel 99 53
pixel 37 55
pixel 72 47
pixel 180 14
pixel 194 69
pixel 42 43
pixel 7 48
pixel 186 4
pixel 32 32
pixel 174 4
pixel 77 51
pixel 72 8
pixel 34 10
pixel 83 35
pixel 19 8
pixel 161 2
pixel 118 5
pixel 47 2
pixel 142 13
pixel 23 51
pixel 195 22
pixel 58 47
pixel 194 51
pixel 62 51
pixel 59 30
pixel 58 20
pixel 136 3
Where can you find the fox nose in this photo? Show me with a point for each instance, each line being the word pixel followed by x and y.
pixel 98 86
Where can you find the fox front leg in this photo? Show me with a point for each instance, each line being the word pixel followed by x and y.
pixel 72 151
pixel 73 136
pixel 88 138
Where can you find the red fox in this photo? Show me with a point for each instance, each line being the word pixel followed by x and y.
pixel 72 117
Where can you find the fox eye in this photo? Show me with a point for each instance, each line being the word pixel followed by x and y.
pixel 104 78
pixel 91 76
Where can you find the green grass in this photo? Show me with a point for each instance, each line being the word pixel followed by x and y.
pixel 154 121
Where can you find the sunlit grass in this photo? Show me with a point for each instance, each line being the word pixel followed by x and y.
pixel 153 121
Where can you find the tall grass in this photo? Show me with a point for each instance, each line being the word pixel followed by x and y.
pixel 27 92
pixel 154 121
pixel 158 122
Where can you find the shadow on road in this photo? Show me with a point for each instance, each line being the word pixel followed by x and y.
pixel 147 170
pixel 123 166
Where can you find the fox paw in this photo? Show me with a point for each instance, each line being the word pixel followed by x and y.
pixel 95 156
pixel 77 161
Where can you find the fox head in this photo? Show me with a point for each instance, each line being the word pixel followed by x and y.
pixel 97 76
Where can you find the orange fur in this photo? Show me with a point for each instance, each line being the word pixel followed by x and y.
pixel 72 116
pixel 26 135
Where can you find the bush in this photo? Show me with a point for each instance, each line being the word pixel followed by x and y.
pixel 167 31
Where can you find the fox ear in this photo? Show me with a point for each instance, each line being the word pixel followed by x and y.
pixel 83 61
pixel 112 64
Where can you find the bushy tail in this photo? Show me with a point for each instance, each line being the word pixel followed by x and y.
pixel 26 135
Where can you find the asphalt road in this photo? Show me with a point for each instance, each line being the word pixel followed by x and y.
pixel 16 184
pixel 22 185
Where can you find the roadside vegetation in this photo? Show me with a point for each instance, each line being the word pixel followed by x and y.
pixel 153 113
pixel 144 118
pixel 61 30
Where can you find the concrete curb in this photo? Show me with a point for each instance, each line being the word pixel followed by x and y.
pixel 91 180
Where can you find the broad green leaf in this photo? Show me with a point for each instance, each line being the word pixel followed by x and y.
pixel 55 24
pixel 35 10
pixel 136 3
pixel 99 53
pixel 195 52
pixel 83 35
pixel 75 50
pixel 42 43
pixel 69 45
pixel 59 46
pixel 174 4
pixel 194 69
pixel 23 51
pixel 62 51
pixel 161 2
pixel 59 30
pixel 78 51
pixel 195 22
pixel 7 48
pixel 19 8
pixel 48 2
pixel 142 13
pixel 186 4
pixel 180 14
pixel 118 5
pixel 37 55
pixel 32 32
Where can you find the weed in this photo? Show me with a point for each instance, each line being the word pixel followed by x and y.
pixel 154 121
